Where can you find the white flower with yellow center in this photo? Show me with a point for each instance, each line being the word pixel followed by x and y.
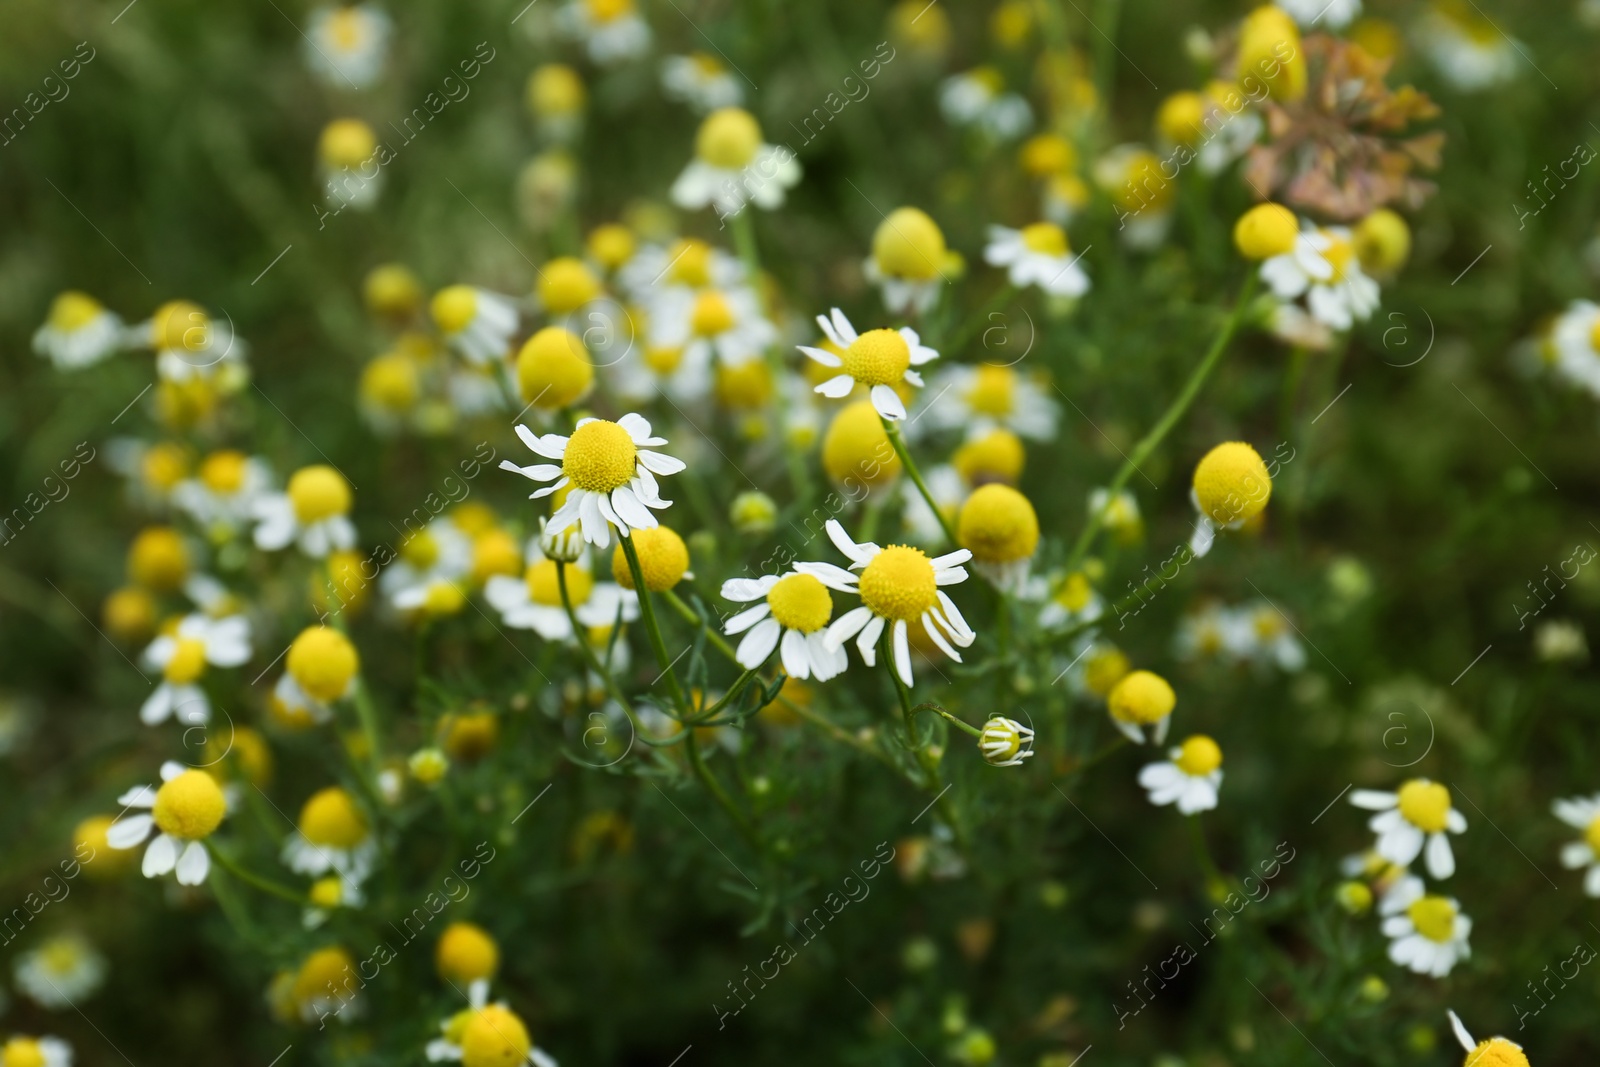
pixel 1142 194
pixel 1069 599
pixel 1418 814
pixel 987 397
pixel 348 165
pixel 1037 254
pixel 795 607
pixel 320 669
pixel 702 81
pixel 1259 633
pixel 1005 742
pixel 79 332
pixel 1140 701
pixel 733 166
pixel 222 494
pixel 1118 512
pixel 978 98
pixel 486 1035
pixel 611 472
pixel 1491 1052
pixel 612 30
pixel 475 322
pixel 314 514
pixel 185 809
pixel 658 271
pixel 533 601
pixel 332 835
pixel 189 344
pixel 346 46
pixel 876 359
pixel 1470 51
pixel 1582 813
pixel 725 323
pixel 1575 343
pixel 1204 632
pixel 897 585
pixel 1427 933
pixel 1323 268
pixel 327 895
pixel 61 971
pixel 20 1051
pixel 182 656
pixel 1190 778
pixel 431 573
pixel 910 261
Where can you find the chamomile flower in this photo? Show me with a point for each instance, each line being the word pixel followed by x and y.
pixel 314 513
pixel 1329 14
pixel 347 46
pixel 1118 513
pixel 909 261
pixel 78 333
pixel 1259 633
pixel 556 98
pixel 182 656
pixel 1582 813
pixel 1575 345
pixel 876 359
pixel 612 30
pixel 999 526
pixel 61 971
pixel 1418 815
pixel 329 894
pixel 727 324
pixel 1469 50
pixel 1069 600
pixel 1141 192
pixel 432 568
pixel 1427 933
pixel 475 322
pixel 320 669
pixel 897 585
pixel 977 98
pixel 486 1035
pixel 533 601
pixel 1231 486
pixel 466 954
pixel 1140 701
pixel 794 609
pixel 609 471
pixel 332 835
pixel 1492 1052
pixel 1005 742
pixel 734 166
pixel 348 166
pixel 189 345
pixel 20 1051
pixel 1037 254
pixel 1323 267
pixel 986 397
pixel 185 809
pixel 1190 778
pixel 222 494
pixel 1204 632
pixel 702 81
pixel 1228 127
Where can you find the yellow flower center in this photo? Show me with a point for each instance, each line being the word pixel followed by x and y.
pixel 164 465
pixel 878 357
pixel 345 29
pixel 347 143
pixel 187 662
pixel 322 661
pixel 157 558
pixel 689 263
pixel 179 326
pixel 1339 254
pixel 223 472
pixel 997 456
pixel 544 586
pixel 1198 756
pixel 1181 117
pixel 390 382
pixel 1268 624
pixel 1074 592
pixel 444 598
pixel 908 244
pixel 555 90
pixel 856 448
pixel 322 975
pixel 1496 1052
pixel 1592 834
pixel 662 359
pixel 420 550
pixel 998 524
pixel 566 284
pixel 1232 483
pixel 494 1036
pixel 800 602
pixel 609 10
pixel 1142 697
pixel 22 1052
pixel 1104 669
pixel 73 310
pixel 1434 917
pixel 496 552
pixel 729 138
pixel 553 368
pixel 190 806
pixel 993 390
pixel 331 818
pixel 600 457
pixel 1264 231
pixel 327 893
pixel 454 308
pixel 663 559
pixel 611 245
pixel 898 584
pixel 1047 154
pixel 466 953
pixel 1046 238
pixel 318 493
pixel 1425 805
pixel 745 386
pixel 61 956
pixel 709 66
pixel 711 315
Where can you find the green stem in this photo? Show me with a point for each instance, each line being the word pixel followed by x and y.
pixel 893 430
pixel 647 612
pixel 1105 750
pixel 714 787
pixel 689 615
pixel 934 781
pixel 1169 419
pixel 582 639
pixel 928 705
pixel 1214 878
pixel 263 884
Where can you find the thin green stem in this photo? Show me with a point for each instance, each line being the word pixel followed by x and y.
pixel 698 764
pixel 1208 866
pixel 582 639
pixel 895 440
pixel 647 612
pixel 263 884
pixel 690 616
pixel 933 780
pixel 928 705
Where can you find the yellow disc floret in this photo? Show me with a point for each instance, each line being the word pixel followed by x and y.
pixel 494 1037
pixel 554 369
pixel 466 953
pixel 1198 756
pixel 347 143
pixel 157 559
pixel 179 326
pixel 326 974
pixel 331 818
pixel 1270 54
pixel 555 90
pixel 322 662
pixel 129 613
pixel 663 559
pixel 1496 1052
pixel 611 245
pixel 1264 231
pixel 391 289
pixel 997 456
pixel 188 661
pixel 1142 698
pixel 1425 805
pixel 856 448
pixel 223 471
pixel 899 584
pixel 1181 118
pixel 73 310
pixel 878 357
pixel 711 314
pixel 190 805
pixel 998 524
pixel 566 284
pixel 1434 917
pixel 908 244
pixel 1045 238
pixel 22 1052
pixel 729 138
pixel 390 382
pixel 1383 242
pixel 544 584
pixel 318 492
pixel 600 457
pixel 993 390
pixel 800 602
pixel 1231 483
pixel 454 308
pixel 1046 154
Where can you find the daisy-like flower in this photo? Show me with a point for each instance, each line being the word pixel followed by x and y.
pixel 1142 700
pixel 188 343
pixel 222 494
pixel 1323 267
pixel 1037 254
pixel 182 656
pixel 185 809
pixel 986 397
pixel 908 261
pixel 332 835
pixel 1005 742
pixel 734 165
pixel 897 585
pixel 1190 778
pixel 60 972
pixel 1492 1052
pixel 486 1035
pixel 345 155
pixel 978 98
pixel 1000 527
pixel 1582 813
pixel 1259 633
pixel 1575 345
pixel 20 1051
pixel 1469 50
pixel 328 895
pixel 475 322
pixel 1427 933
pixel 314 513
pixel 1231 486
pixel 432 569
pixel 611 472
pixel 533 601
pixel 702 81
pixel 612 30
pixel 1332 14
pixel 347 46
pixel 1418 814
pixel 1119 513
pixel 875 359
pixel 1069 599
pixel 795 607
pixel 1143 196
pixel 725 323
pixel 79 332
pixel 320 669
